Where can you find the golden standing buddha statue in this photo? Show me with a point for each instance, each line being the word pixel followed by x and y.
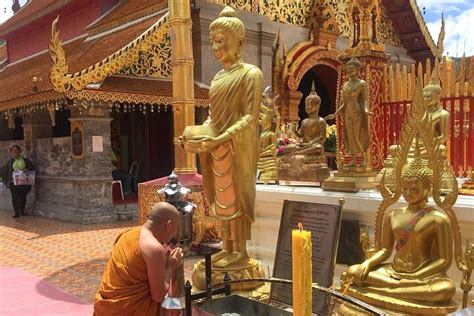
pixel 270 122
pixel 425 239
pixel 355 113
pixel 305 161
pixel 227 142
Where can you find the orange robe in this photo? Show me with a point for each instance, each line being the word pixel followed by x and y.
pixel 124 288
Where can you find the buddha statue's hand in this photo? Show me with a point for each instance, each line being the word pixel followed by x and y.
pixel 330 117
pixel 362 271
pixel 205 143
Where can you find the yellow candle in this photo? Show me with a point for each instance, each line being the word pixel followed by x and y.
pixel 302 271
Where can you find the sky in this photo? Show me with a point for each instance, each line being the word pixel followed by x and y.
pixel 458 14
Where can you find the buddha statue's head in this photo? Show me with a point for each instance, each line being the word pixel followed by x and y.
pixel 353 67
pixel 416 181
pixel 227 37
pixel 432 95
pixel 312 102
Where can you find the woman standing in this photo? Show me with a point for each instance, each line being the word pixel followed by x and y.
pixel 19 192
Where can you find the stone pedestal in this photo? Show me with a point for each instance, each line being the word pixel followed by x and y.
pixel 351 179
pixel 251 269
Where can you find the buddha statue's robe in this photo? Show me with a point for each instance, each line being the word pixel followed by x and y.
pixel 229 171
pixel 124 288
pixel 356 131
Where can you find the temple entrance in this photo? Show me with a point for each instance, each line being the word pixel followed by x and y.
pixel 146 139
pixel 325 80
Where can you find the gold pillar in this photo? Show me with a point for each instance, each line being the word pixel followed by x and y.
pixel 182 63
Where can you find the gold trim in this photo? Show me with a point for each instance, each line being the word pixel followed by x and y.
pixel 126 97
pixel 126 56
pixel 38 99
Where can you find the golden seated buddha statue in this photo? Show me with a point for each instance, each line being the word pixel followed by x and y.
pixel 422 239
pixel 425 240
pixel 305 161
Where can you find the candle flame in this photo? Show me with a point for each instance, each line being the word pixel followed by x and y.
pixel 300 226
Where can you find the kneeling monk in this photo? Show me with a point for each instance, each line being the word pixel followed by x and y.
pixel 137 275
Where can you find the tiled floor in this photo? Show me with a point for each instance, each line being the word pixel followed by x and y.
pixel 69 256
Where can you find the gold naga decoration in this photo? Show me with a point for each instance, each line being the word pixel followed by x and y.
pixel 126 58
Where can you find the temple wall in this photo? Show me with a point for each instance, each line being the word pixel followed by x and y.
pixel 73 190
pixel 259 39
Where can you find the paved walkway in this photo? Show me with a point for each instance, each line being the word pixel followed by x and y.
pixel 69 256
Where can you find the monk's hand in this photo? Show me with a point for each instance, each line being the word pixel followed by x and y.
pixel 174 258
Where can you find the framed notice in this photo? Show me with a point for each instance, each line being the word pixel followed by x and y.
pixel 24 177
pixel 324 222
pixel 97 144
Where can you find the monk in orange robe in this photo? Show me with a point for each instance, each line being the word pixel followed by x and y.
pixel 138 272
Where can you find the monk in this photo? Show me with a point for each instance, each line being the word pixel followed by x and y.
pixel 138 273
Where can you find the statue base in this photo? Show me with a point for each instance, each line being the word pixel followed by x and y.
pixel 317 174
pixel 467 188
pixel 351 179
pixel 395 306
pixel 250 269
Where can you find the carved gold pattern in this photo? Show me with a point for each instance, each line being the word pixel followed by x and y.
pixel 323 57
pixel 386 33
pixel 62 81
pixel 294 12
pixel 374 79
pixel 342 15
pixel 154 62
pixel 125 97
pixel 300 12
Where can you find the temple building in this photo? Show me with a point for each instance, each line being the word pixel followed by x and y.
pixel 98 79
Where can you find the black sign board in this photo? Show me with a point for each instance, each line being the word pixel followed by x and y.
pixel 323 220
pixel 349 250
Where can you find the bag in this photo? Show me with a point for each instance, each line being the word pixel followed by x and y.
pixel 24 177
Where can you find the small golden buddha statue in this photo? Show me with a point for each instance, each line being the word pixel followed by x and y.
pixel 305 161
pixel 227 144
pixel 423 243
pixel 440 118
pixel 269 121
pixel 355 112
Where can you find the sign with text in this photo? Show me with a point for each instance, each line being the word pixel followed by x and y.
pixel 323 220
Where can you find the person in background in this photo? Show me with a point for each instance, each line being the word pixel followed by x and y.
pixel 19 192
pixel 137 276
pixel 123 176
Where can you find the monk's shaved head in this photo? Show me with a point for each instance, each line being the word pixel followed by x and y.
pixel 161 212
